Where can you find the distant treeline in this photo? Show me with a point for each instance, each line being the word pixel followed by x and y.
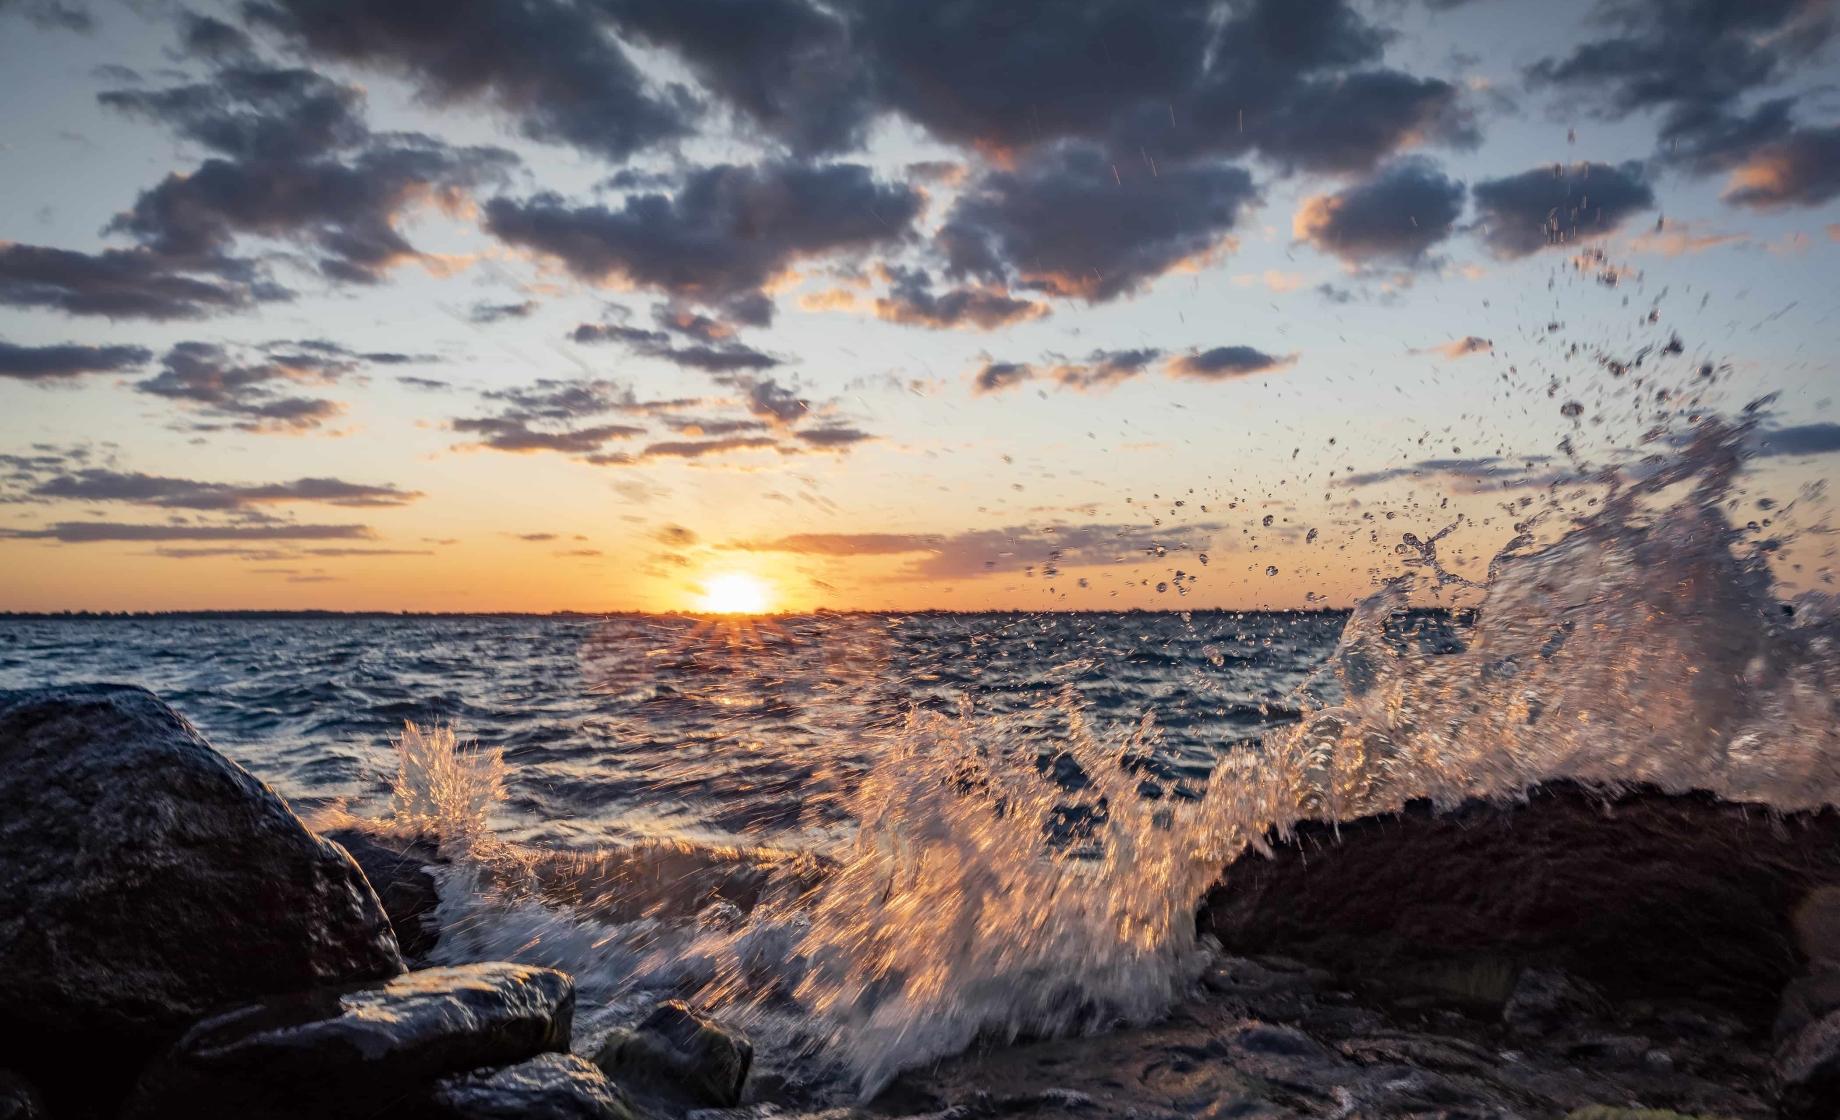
pixel 281 615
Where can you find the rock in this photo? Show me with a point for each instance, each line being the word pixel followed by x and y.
pixel 1805 999
pixel 398 872
pixel 145 879
pixel 547 1087
pixel 18 1100
pixel 1546 998
pixel 1808 1071
pixel 1642 893
pixel 334 1051
pixel 679 1055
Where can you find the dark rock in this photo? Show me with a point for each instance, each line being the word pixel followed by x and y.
pixel 1642 893
pixel 145 879
pixel 547 1087
pixel 679 1055
pixel 1546 998
pixel 18 1100
pixel 1808 1071
pixel 334 1051
pixel 398 872
pixel 1805 999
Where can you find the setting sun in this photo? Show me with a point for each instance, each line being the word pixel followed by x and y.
pixel 735 593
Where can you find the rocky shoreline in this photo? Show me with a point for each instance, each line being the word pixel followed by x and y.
pixel 175 942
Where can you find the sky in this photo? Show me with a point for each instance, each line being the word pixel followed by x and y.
pixel 869 304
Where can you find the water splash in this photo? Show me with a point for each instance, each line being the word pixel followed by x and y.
pixel 998 885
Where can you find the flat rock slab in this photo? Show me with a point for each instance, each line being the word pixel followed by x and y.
pixel 1642 893
pixel 547 1087
pixel 146 879
pixel 339 1051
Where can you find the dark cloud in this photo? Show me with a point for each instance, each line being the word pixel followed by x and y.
pixel 250 391
pixel 1557 205
pixel 564 416
pixel 1799 439
pixel 1397 215
pixel 1473 476
pixel 426 384
pixel 718 357
pixel 995 377
pixel 126 283
pixel 550 64
pixel 1071 222
pixel 1224 362
pixel 52 15
pixel 696 449
pixel 1045 549
pixel 70 359
pixel 726 234
pixel 134 488
pixel 786 66
pixel 1696 62
pixel 911 300
pixel 295 161
pixel 1801 169
pixel 87 532
pixel 210 38
pixel 1102 369
pixel 498 312
pixel 833 435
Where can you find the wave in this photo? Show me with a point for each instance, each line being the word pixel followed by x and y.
pixel 998 886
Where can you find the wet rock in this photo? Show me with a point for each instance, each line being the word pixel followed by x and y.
pixel 334 1051
pixel 1642 893
pixel 1808 1071
pixel 547 1087
pixel 1433 1052
pixel 1546 998
pixel 145 879
pixel 398 872
pixel 1805 999
pixel 18 1100
pixel 677 1054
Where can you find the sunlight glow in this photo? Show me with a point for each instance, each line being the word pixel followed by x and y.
pixel 735 593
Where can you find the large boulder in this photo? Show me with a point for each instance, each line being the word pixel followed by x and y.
pixel 680 1056
pixel 145 879
pixel 1641 893
pixel 341 1051
pixel 547 1087
pixel 398 872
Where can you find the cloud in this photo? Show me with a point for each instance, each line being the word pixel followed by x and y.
pixel 1799 439
pixel 996 377
pixel 295 161
pixel 1397 215
pixel 127 283
pixel 725 235
pixel 1102 369
pixel 1460 347
pixel 772 401
pixel 51 15
pixel 70 359
pixel 551 66
pixel 1472 476
pixel 1697 65
pixel 249 390
pixel 1547 206
pixel 980 552
pixel 1225 362
pixel 1801 169
pixel 833 435
pixel 717 357
pixel 486 313
pixel 696 449
pixel 134 488
pixel 912 301
pixel 1071 222
pixel 88 532
pixel 563 416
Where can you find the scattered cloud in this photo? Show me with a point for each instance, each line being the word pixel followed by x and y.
pixel 1224 362
pixel 1555 206
pixel 1397 216
pixel 90 532
pixel 67 360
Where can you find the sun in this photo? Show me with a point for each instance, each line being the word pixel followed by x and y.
pixel 735 593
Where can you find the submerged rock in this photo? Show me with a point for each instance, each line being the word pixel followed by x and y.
pixel 679 1055
pixel 398 872
pixel 1641 893
pixel 335 1051
pixel 145 879
pixel 547 1087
